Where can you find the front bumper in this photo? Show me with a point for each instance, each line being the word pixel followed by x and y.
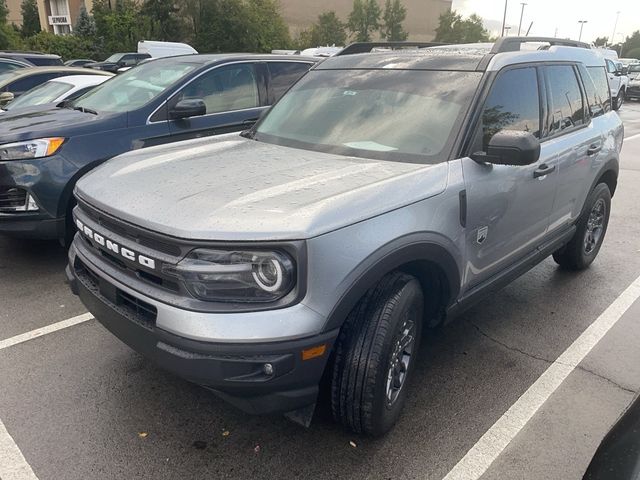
pixel 633 91
pixel 235 371
pixel 46 181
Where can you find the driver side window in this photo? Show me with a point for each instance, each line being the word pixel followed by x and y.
pixel 233 87
pixel 512 104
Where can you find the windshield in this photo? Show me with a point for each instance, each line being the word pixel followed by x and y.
pixel 400 115
pixel 136 87
pixel 634 68
pixel 46 93
pixel 114 58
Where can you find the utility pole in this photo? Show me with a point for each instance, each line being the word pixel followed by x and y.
pixel 581 22
pixel 504 17
pixel 615 25
pixel 521 15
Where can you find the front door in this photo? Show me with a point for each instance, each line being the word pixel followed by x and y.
pixel 508 207
pixel 232 95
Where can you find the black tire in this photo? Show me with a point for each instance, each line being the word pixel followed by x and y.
pixel 619 100
pixel 366 347
pixel 576 255
pixel 70 228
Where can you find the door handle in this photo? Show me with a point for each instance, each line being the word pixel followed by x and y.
pixel 593 149
pixel 543 170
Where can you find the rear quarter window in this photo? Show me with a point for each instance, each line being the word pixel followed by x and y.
pixel 601 83
pixel 283 75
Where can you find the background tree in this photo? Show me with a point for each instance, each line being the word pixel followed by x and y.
pixel 394 15
pixel 328 30
pixel 164 22
pixel 452 28
pixel 631 45
pixel 364 19
pixel 85 26
pixel 601 41
pixel 30 18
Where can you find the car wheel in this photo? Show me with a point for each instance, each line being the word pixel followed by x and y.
pixel 619 100
pixel 375 355
pixel 585 244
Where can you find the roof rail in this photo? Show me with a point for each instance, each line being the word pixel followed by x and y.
pixel 512 44
pixel 366 47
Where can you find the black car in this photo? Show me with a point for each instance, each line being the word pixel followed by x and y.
pixel 33 59
pixel 618 456
pixel 44 153
pixel 117 61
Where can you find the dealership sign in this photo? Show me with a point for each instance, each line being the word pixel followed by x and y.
pixel 59 20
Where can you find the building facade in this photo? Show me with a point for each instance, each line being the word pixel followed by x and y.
pixel 421 21
pixel 56 16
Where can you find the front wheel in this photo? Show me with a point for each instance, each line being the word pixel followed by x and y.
pixel 619 100
pixel 375 355
pixel 585 244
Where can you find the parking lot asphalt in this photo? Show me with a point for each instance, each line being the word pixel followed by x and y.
pixel 81 405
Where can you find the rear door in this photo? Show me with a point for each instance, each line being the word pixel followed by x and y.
pixel 234 94
pixel 508 206
pixel 575 136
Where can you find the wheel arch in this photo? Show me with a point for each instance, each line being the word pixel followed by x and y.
pixel 431 262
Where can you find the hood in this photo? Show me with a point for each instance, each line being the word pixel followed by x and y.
pixel 232 188
pixel 51 121
pixel 99 65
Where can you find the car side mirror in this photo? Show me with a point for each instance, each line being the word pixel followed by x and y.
pixel 510 147
pixel 191 107
pixel 5 98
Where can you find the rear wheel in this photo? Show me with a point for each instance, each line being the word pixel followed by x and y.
pixel 375 355
pixel 583 248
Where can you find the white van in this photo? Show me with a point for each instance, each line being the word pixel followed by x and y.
pixel 165 49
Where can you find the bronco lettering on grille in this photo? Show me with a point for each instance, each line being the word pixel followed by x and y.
pixel 113 247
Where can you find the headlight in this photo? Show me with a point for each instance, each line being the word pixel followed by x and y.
pixel 235 276
pixel 41 147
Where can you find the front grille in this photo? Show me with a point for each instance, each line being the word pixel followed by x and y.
pixel 12 199
pixel 128 305
pixel 128 231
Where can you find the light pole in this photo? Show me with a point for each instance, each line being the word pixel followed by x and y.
pixel 581 22
pixel 504 17
pixel 521 15
pixel 615 25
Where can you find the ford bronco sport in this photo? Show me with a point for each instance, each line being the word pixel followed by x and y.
pixel 384 193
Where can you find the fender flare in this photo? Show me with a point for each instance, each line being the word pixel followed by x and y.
pixel 401 251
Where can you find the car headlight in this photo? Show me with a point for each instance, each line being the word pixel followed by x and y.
pixel 234 276
pixel 41 147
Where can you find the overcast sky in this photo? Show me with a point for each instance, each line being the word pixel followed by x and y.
pixel 563 15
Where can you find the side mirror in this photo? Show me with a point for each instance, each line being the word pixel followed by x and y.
pixel 5 98
pixel 510 147
pixel 192 107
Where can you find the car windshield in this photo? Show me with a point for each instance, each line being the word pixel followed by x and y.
pixel 115 57
pixel 399 115
pixel 136 87
pixel 45 93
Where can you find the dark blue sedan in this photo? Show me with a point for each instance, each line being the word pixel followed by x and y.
pixel 44 153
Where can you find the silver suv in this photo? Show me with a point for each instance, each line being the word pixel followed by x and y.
pixel 383 194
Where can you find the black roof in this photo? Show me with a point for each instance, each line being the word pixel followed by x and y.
pixel 435 58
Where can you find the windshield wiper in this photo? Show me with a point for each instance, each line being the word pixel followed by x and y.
pixel 86 110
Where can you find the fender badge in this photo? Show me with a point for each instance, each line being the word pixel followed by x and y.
pixel 482 235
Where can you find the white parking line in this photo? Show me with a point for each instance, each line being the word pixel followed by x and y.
pixel 478 460
pixel 13 465
pixel 9 342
